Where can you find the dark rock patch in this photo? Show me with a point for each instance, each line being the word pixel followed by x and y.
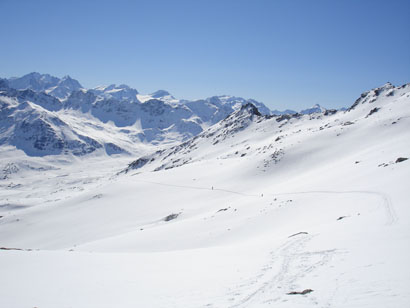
pixel 223 210
pixel 401 159
pixel 306 291
pixel 171 217
pixel 330 112
pixel 283 117
pixel 374 110
pixel 137 163
pixel 299 233
pixel 251 108
pixel 10 248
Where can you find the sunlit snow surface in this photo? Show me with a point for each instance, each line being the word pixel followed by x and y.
pixel 323 207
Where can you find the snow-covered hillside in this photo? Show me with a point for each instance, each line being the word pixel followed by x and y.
pixel 301 210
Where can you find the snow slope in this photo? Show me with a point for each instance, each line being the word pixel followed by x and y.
pixel 250 210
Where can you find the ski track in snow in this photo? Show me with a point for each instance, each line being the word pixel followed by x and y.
pixel 275 284
pixel 291 255
pixel 391 217
pixel 289 262
pixel 270 285
pixel 201 188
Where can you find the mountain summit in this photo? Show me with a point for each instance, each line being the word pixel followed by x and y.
pixel 314 109
pixel 160 93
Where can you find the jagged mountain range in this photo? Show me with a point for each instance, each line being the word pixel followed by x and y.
pixel 45 115
pixel 59 88
pixel 211 144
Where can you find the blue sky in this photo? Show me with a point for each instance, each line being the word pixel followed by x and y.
pixel 287 54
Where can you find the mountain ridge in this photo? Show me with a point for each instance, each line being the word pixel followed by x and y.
pixel 61 88
pixel 127 122
pixel 275 128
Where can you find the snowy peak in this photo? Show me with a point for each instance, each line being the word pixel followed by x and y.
pixel 380 93
pixel 64 88
pixel 121 92
pixel 235 103
pixel 33 81
pixel 69 82
pixel 314 109
pixel 250 109
pixel 287 111
pixel 59 88
pixel 160 94
pixel 238 120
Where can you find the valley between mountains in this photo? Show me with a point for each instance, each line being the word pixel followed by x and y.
pixel 111 198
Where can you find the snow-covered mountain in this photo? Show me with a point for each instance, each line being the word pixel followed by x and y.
pixel 102 120
pixel 30 122
pixel 302 210
pixel 120 111
pixel 121 92
pixel 314 109
pixel 161 94
pixel 60 88
pixel 211 142
pixel 33 81
pixel 287 111
pixel 128 119
pixel 235 103
pixel 64 88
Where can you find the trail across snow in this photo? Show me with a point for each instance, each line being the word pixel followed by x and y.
pixel 391 217
pixel 292 260
pixel 277 278
pixel 201 188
